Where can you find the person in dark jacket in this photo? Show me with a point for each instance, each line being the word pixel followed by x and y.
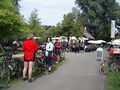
pixel 29 48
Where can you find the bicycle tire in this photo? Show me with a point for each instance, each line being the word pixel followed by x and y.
pixel 103 70
pixel 13 70
pixel 113 67
pixel 4 74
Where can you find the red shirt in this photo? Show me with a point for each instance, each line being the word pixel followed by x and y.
pixel 29 48
pixel 111 50
pixel 57 45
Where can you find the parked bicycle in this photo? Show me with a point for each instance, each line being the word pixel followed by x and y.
pixel 115 66
pixel 104 67
pixel 40 61
pixel 8 68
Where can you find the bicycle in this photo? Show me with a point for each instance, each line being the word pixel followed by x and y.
pixel 8 68
pixel 115 66
pixel 40 63
pixel 104 67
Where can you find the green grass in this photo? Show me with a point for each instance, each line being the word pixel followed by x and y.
pixel 113 81
pixel 12 82
pixel 58 64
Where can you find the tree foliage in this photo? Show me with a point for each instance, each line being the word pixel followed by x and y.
pixel 34 21
pixel 10 21
pixel 97 16
pixel 68 24
pixel 35 24
pixel 71 25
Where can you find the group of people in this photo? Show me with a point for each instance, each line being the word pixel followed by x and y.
pixel 78 47
pixel 30 47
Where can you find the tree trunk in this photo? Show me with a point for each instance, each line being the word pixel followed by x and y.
pixel 1 48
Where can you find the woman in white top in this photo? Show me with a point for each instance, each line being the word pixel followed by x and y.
pixel 48 53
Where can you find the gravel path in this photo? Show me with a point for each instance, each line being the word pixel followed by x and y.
pixel 78 72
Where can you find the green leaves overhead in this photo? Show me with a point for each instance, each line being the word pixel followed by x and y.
pixel 97 16
pixel 34 20
pixel 68 24
pixel 8 4
pixel 10 21
pixel 35 24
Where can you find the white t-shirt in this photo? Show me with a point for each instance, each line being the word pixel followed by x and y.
pixel 49 47
pixel 99 53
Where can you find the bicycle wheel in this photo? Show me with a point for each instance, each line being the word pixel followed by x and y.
pixel 4 74
pixel 114 67
pixel 103 70
pixel 13 67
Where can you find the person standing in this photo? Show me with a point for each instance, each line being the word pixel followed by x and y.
pixel 99 53
pixel 29 48
pixel 57 45
pixel 48 53
pixel 15 46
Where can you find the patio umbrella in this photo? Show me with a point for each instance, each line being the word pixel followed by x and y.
pixel 116 42
pixel 96 41
pixel 101 41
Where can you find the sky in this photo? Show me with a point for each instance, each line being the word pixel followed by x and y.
pixel 49 11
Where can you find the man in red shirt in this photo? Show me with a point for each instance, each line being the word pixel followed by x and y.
pixel 57 45
pixel 29 48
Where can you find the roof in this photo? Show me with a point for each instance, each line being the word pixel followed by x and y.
pixel 88 35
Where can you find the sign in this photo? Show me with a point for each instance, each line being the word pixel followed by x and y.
pixel 112 28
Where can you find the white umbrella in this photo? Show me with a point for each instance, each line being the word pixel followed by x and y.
pixel 54 38
pixel 92 41
pixel 109 43
pixel 73 38
pixel 116 42
pixel 97 41
pixel 101 41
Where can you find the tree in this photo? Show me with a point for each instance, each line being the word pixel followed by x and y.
pixel 68 24
pixel 59 29
pixel 78 28
pixel 35 24
pixel 71 25
pixel 97 15
pixel 16 3
pixel 34 21
pixel 10 21
pixel 52 31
